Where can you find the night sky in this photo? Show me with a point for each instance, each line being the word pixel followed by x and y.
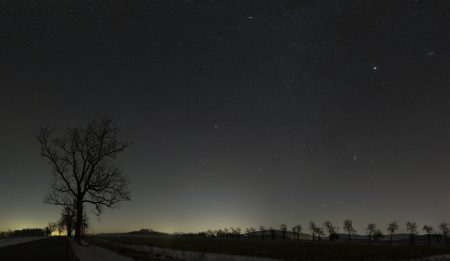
pixel 241 113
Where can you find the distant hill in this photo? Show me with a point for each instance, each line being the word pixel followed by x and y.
pixel 147 232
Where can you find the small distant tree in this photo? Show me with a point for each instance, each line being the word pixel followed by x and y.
pixel 331 230
pixel 226 233
pixel 51 227
pixel 237 232
pixel 412 228
pixel 68 217
pixel 370 230
pixel 445 229
pixel 392 227
pixel 348 226
pixel 319 232
pixel 297 229
pixel 262 229
pixel 313 228
pixel 47 231
pixel 429 231
pixel 283 229
pixel 273 233
pixel 377 235
pixel 60 226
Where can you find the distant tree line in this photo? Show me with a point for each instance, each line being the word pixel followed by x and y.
pixel 328 231
pixel 27 232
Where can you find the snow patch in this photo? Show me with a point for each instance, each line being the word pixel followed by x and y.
pixel 88 252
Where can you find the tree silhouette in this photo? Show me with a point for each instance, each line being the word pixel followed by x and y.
pixel 319 232
pixel 331 230
pixel 84 169
pixel 429 230
pixel 297 229
pixel 262 228
pixel 68 216
pixel 392 227
pixel 60 226
pixel 348 226
pixel 412 228
pixel 283 229
pixel 51 227
pixel 377 235
pixel 445 229
pixel 371 229
pixel 313 228
pixel 237 232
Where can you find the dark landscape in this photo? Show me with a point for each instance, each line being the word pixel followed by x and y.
pixel 247 130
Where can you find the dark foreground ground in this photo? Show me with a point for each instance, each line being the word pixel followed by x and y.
pixel 286 250
pixel 54 248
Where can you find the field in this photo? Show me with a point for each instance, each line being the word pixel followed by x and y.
pixel 287 250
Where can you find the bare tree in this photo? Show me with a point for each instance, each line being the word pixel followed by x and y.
pixel 429 230
pixel 51 226
pixel 445 229
pixel 313 228
pixel 60 226
pixel 262 228
pixel 331 230
pixel 377 235
pixel 392 227
pixel 297 229
pixel 412 228
pixel 319 233
pixel 84 169
pixel 283 229
pixel 237 232
pixel 371 229
pixel 348 226
pixel 68 217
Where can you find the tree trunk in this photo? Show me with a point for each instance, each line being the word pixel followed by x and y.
pixel 79 222
pixel 390 239
pixel 69 231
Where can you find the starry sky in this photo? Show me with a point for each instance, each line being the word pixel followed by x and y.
pixel 241 113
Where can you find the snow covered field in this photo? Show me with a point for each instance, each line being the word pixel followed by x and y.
pixel 17 240
pixel 95 253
